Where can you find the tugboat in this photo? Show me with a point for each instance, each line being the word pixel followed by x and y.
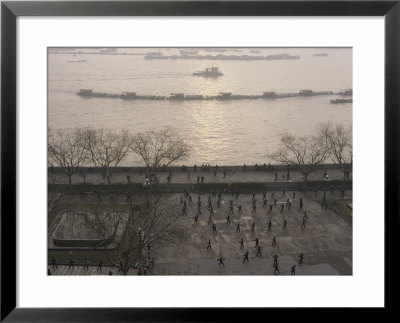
pixel 209 72
pixel 341 101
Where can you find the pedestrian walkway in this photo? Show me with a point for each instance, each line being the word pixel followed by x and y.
pixel 180 177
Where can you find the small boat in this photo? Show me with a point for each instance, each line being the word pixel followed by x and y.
pixel 341 101
pixel 209 72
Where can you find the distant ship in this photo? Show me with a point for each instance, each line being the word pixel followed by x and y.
pixel 209 72
pixel 348 92
pixel 341 101
pixel 282 56
pixel 322 54
pixel 188 51
pixel 155 55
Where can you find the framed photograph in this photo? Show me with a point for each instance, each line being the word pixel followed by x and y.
pixel 189 155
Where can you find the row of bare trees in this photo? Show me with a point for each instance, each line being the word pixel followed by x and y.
pixel 77 147
pixel 332 142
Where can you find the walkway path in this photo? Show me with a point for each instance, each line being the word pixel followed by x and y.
pixel 234 176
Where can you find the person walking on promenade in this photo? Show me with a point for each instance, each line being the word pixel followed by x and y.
pixel 258 251
pixel 49 272
pixel 196 217
pixel 218 203
pixel 236 196
pixel 254 207
pixel 289 205
pixel 241 243
pixel 301 203
pixel 269 225
pixel 284 225
pixel 228 220
pixel 301 257
pixel 276 269
pixel 214 228
pixel 293 270
pixel 230 209
pixel 198 179
pixel 276 176
pixel 305 217
pixel 275 200
pixel 209 245
pixel 220 262
pixel 54 262
pixel 264 196
pixel 265 203
pixel 276 260
pixel 253 194
pixel 282 207
pixel 303 225
pixel 294 195
pixel 246 257
pixel 100 265
pixel 240 208
pixel 273 241
pixel 256 240
pixel 71 264
pixel 253 225
pixel 238 227
pixel 270 208
pixel 202 179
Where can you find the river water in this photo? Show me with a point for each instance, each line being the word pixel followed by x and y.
pixel 224 132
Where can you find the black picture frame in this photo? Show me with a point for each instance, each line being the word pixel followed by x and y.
pixel 11 10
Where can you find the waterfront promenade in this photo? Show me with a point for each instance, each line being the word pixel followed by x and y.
pixel 232 175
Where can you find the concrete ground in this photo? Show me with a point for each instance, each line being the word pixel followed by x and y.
pixel 326 242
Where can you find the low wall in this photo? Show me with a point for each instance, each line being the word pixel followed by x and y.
pixel 137 169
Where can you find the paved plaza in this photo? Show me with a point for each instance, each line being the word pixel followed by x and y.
pixel 325 241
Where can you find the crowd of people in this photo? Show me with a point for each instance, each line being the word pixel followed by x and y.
pixel 216 207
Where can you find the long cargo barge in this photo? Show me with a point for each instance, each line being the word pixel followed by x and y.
pixel 88 93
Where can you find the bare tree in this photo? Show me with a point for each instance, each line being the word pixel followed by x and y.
pixel 157 224
pixel 67 149
pixel 340 141
pixel 160 148
pixel 107 148
pixel 303 152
